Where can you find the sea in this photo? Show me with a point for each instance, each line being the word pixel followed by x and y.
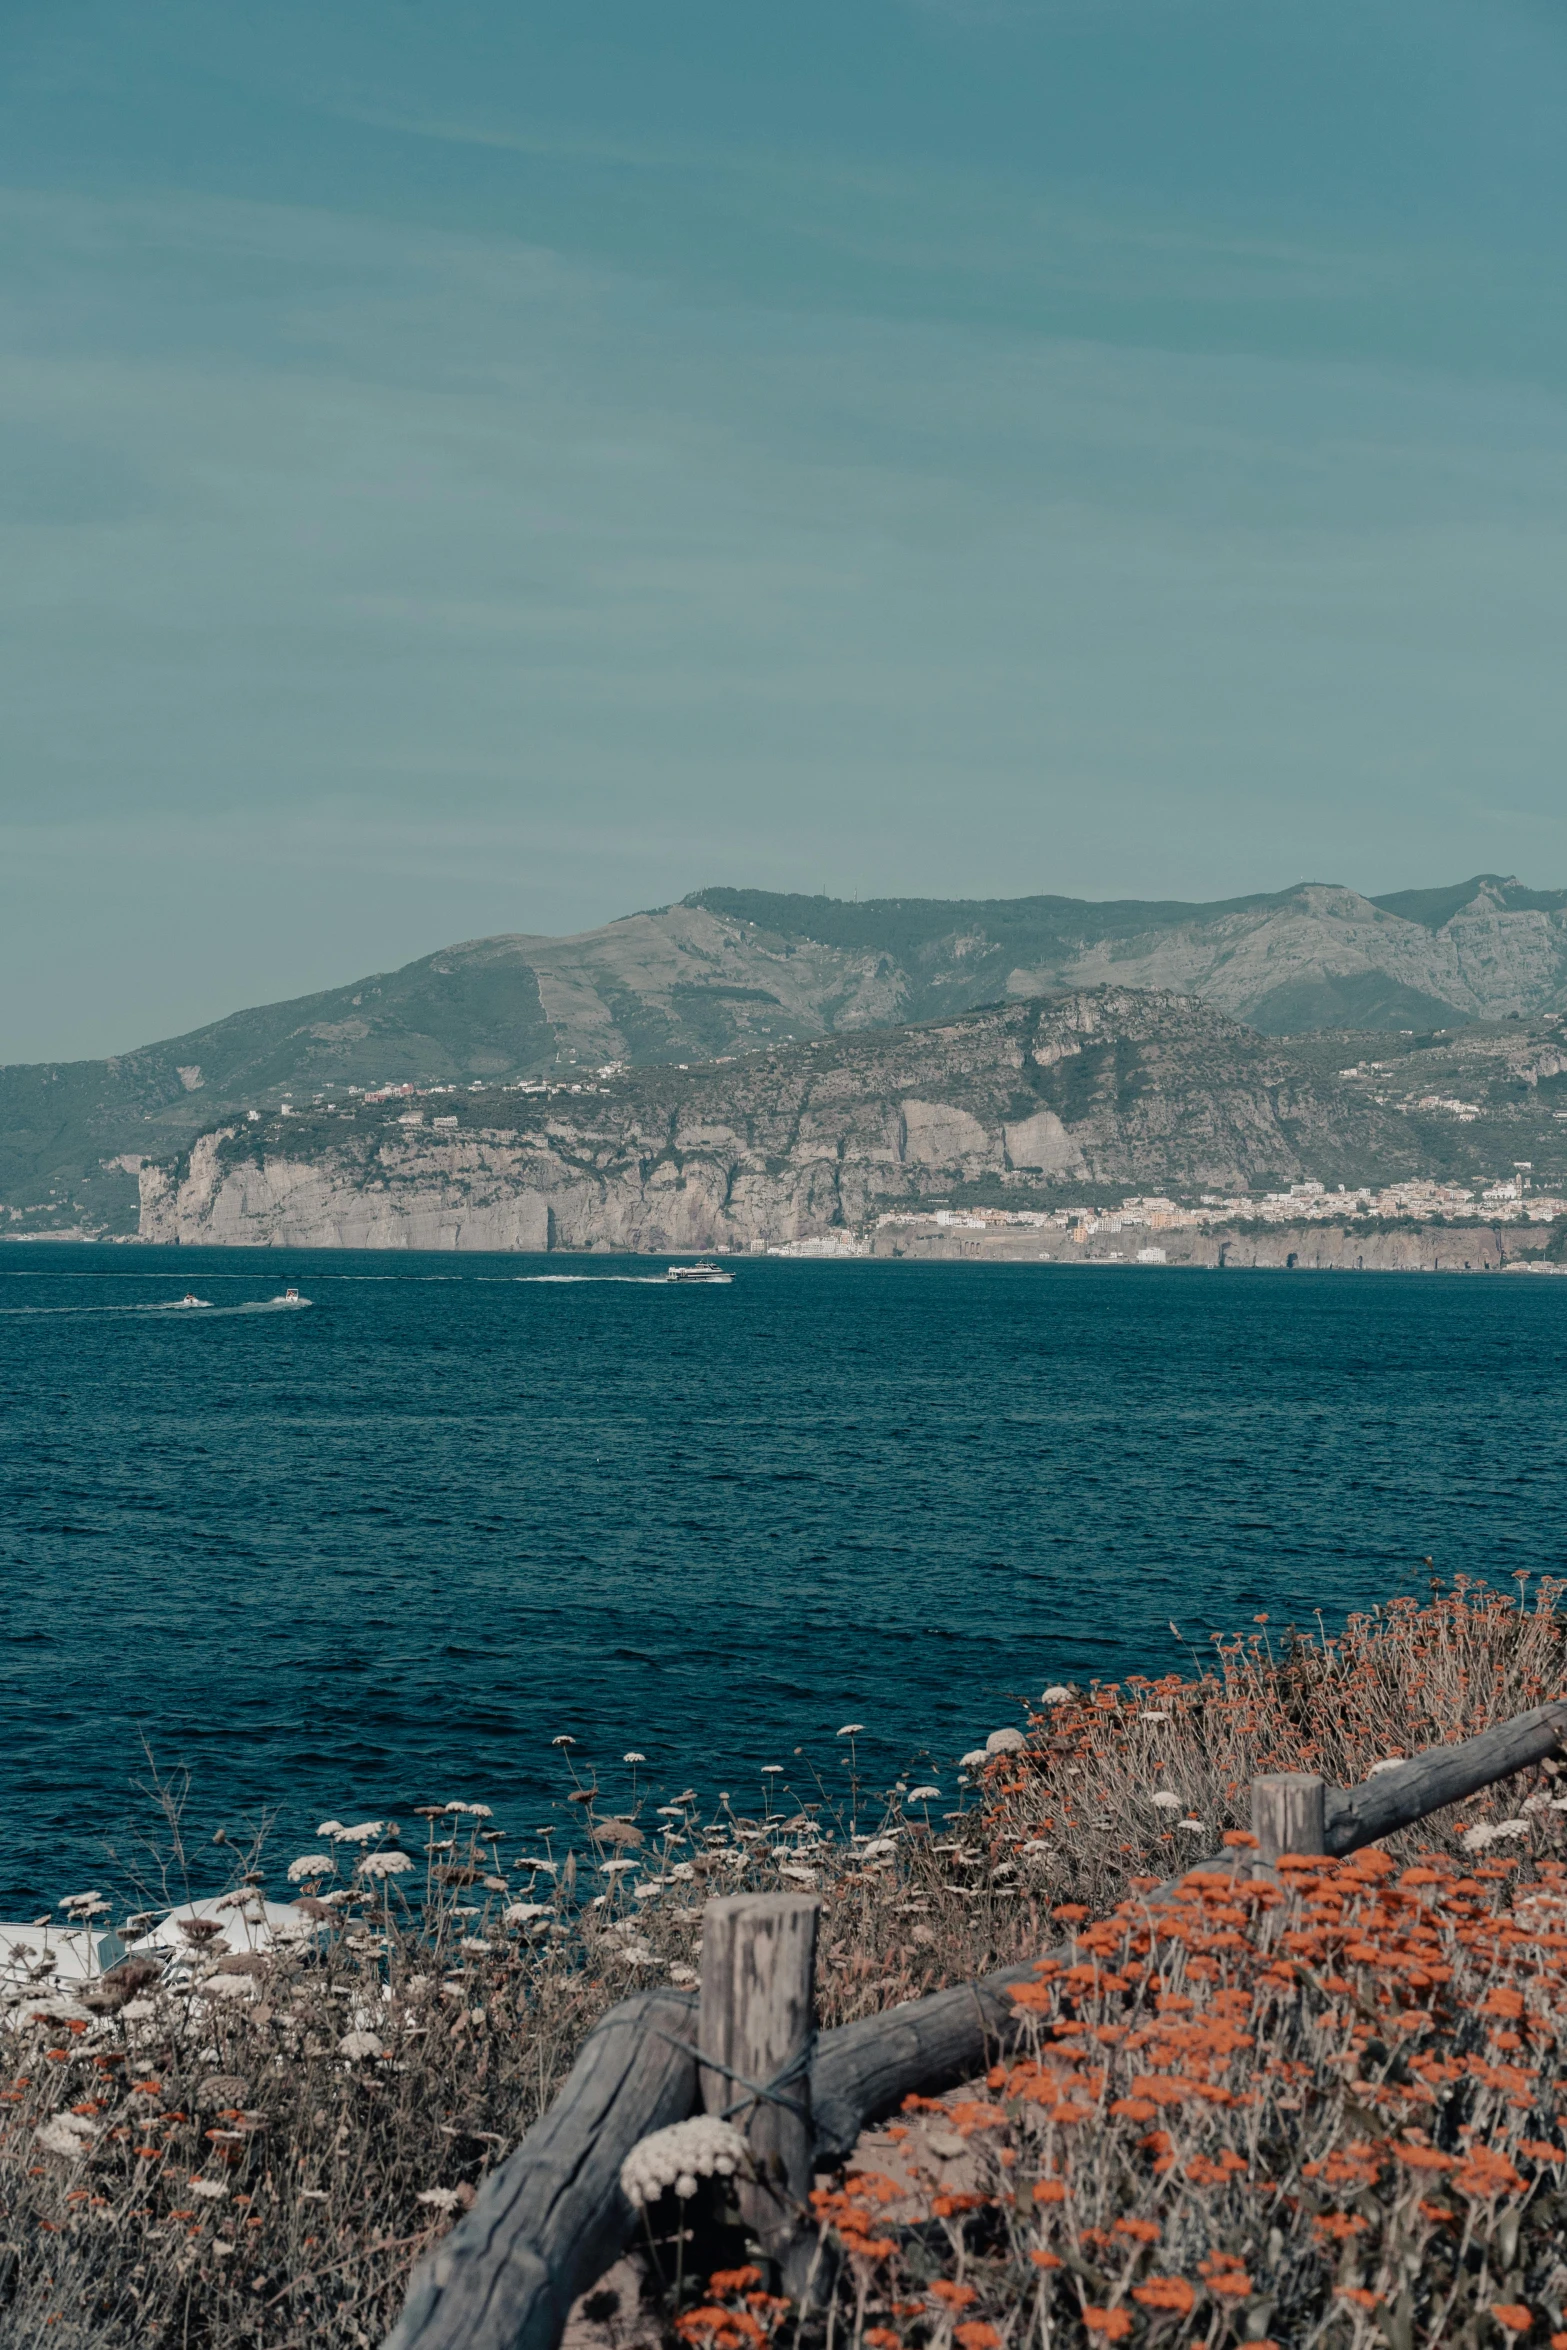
pixel 265 1566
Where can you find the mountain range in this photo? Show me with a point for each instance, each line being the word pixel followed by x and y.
pixel 727 972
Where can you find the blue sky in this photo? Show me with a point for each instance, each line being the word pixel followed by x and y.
pixel 482 468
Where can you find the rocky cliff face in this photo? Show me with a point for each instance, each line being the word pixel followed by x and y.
pixel 1105 1091
pixel 1315 1248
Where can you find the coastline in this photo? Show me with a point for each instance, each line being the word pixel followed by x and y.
pixel 1316 1248
pixel 1347 1247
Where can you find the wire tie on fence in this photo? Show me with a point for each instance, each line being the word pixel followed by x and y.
pixel 758 2092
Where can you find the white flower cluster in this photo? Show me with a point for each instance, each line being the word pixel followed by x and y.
pixel 310 1864
pixel 1492 1832
pixel 385 1864
pixel 702 2148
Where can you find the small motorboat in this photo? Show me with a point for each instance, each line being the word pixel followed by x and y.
pixel 698 1272
pixel 291 1297
pixel 189 1299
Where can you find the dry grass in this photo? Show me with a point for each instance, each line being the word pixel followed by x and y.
pixel 253 2167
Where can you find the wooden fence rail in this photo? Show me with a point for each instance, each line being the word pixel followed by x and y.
pixel 552 2217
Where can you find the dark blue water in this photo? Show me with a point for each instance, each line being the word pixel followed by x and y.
pixel 383 1551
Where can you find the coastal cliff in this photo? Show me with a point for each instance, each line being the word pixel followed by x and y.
pixel 1367 1246
pixel 1023 1102
pixel 729 972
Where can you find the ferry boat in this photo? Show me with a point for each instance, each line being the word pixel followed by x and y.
pixel 698 1272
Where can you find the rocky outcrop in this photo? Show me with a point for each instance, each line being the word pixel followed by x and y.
pixel 1109 1091
pixel 1319 1248
pixel 1426 1248
pixel 283 1201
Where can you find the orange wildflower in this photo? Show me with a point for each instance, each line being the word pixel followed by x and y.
pixel 1045 2259
pixel 1114 2324
pixel 1513 2316
pixel 1050 2191
pixel 955 2296
pixel 1203 2171
pixel 1165 2293
pixel 976 2335
pixel 733 2280
pixel 1483 2174
pixel 1142 2231
pixel 725 2329
pixel 1340 2228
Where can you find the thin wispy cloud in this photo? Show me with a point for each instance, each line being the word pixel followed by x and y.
pixel 467 491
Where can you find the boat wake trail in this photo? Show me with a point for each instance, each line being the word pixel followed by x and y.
pixel 200 1312
pixel 624 1280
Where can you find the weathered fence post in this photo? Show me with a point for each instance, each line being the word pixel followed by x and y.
pixel 757 2019
pixel 550 2220
pixel 1287 1815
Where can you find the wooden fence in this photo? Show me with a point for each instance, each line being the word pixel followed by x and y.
pixel 550 2220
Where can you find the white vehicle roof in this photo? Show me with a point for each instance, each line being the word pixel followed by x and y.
pixel 24 1949
pixel 254 1925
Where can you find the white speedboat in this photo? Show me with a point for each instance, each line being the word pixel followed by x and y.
pixel 189 1299
pixel 291 1297
pixel 699 1272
